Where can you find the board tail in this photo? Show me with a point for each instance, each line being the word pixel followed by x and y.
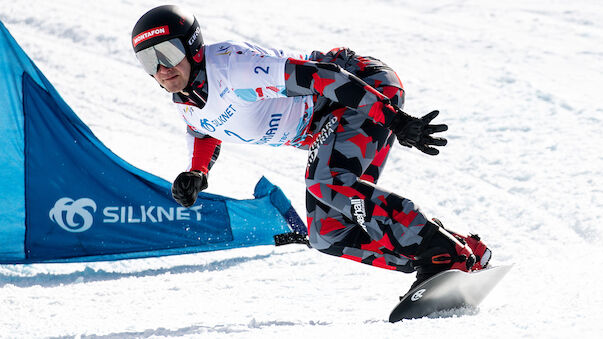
pixel 448 290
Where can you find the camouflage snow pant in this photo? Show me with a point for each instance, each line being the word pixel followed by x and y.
pixel 348 216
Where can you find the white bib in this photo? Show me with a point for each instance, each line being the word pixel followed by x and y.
pixel 246 97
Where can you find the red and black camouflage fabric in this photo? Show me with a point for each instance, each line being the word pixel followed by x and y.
pixel 348 216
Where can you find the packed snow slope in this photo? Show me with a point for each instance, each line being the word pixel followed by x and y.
pixel 519 85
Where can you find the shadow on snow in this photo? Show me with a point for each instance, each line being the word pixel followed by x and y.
pixel 89 274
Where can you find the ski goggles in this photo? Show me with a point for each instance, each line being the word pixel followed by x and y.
pixel 168 53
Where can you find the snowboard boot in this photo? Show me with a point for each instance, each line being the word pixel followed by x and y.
pixel 481 252
pixel 441 251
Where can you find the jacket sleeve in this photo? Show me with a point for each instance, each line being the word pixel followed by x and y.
pixel 303 77
pixel 203 151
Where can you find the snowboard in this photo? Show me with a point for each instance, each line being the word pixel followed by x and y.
pixel 448 290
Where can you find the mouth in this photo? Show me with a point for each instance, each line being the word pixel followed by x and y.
pixel 170 78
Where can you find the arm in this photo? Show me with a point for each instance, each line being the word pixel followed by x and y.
pixel 336 84
pixel 203 152
pixel 329 80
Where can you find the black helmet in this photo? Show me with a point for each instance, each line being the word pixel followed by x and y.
pixel 167 23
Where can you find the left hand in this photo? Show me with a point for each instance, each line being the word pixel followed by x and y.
pixel 416 132
pixel 187 186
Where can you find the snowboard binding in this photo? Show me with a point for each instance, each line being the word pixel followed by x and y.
pixel 448 250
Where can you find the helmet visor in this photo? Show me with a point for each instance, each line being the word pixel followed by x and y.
pixel 168 53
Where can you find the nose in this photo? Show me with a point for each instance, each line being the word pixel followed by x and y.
pixel 162 69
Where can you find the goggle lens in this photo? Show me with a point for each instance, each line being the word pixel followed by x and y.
pixel 168 53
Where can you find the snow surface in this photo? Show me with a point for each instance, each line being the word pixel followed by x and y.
pixel 519 84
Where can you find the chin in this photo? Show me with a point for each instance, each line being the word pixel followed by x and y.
pixel 173 89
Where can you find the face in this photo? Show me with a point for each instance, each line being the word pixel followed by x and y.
pixel 174 79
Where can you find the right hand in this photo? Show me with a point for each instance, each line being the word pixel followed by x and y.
pixel 417 132
pixel 187 186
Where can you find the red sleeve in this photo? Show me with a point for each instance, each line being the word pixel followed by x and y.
pixel 205 152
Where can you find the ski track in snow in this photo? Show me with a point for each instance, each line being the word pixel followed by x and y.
pixel 517 82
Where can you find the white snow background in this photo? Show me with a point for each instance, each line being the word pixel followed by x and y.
pixel 518 82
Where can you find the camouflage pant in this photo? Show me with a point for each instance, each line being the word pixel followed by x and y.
pixel 348 216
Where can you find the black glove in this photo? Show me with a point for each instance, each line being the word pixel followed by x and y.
pixel 187 186
pixel 417 132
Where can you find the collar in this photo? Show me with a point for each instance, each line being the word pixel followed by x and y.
pixel 196 92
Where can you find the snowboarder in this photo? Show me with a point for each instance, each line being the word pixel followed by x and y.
pixel 345 109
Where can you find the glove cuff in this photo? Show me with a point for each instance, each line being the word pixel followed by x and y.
pixel 399 121
pixel 198 173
